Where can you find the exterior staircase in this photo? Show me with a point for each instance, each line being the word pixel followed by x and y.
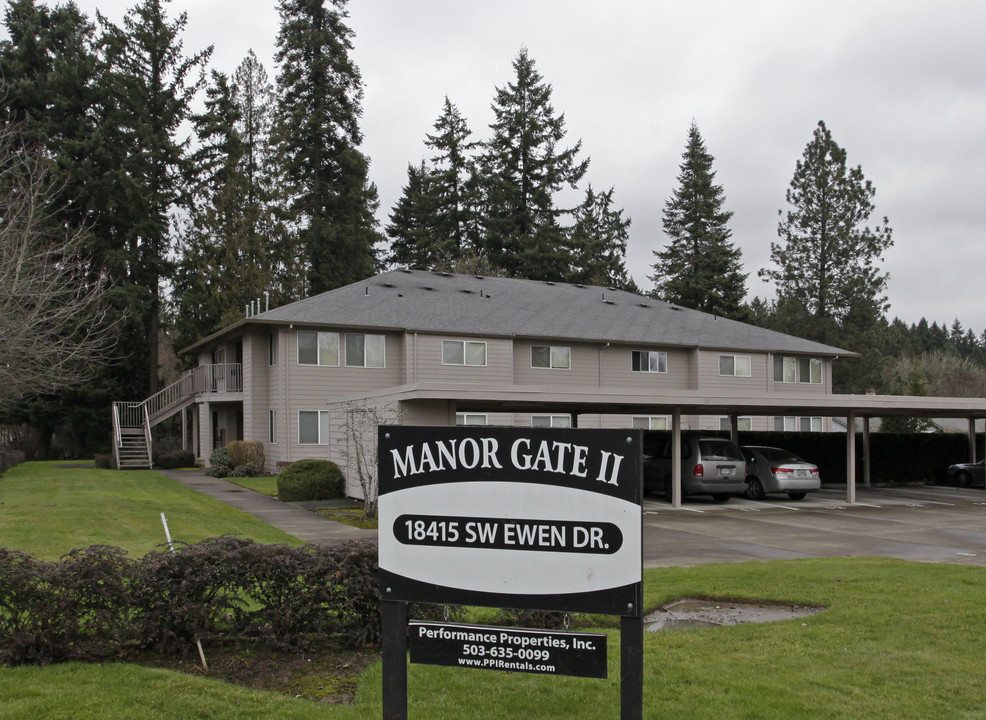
pixel 132 421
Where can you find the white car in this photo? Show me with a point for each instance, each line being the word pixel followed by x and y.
pixel 772 470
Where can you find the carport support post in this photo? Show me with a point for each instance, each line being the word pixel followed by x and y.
pixel 866 452
pixel 734 429
pixel 972 439
pixel 851 458
pixel 676 457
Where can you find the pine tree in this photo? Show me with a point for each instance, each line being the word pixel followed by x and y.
pixel 598 242
pixel 700 268
pixel 412 228
pixel 827 258
pixel 318 137
pixel 151 92
pixel 523 167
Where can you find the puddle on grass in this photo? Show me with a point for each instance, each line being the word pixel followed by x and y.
pixel 691 614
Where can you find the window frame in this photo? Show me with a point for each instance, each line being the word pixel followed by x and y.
pixel 319 335
pixel 322 430
pixel 465 354
pixel 749 365
pixel 650 422
pixel 552 419
pixel 365 336
pixel 797 367
pixel 662 359
pixel 552 349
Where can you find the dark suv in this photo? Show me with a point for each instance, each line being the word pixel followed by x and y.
pixel 709 466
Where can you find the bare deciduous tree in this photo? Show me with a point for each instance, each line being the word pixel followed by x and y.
pixel 360 445
pixel 52 317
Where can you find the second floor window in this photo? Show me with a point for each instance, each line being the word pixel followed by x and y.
pixel 797 370
pixel 734 365
pixel 318 348
pixel 366 350
pixel 272 349
pixel 649 361
pixel 463 352
pixel 551 356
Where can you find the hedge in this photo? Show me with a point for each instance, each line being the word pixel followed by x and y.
pixel 96 603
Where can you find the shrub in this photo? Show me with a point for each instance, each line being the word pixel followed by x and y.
pixel 105 461
pixel 219 465
pixel 250 469
pixel 310 480
pixel 175 459
pixel 244 453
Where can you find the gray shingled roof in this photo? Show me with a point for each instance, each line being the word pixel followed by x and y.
pixel 430 302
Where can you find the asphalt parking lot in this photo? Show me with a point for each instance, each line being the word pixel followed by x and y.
pixel 922 524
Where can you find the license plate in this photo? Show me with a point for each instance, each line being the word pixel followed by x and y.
pixel 802 473
pixel 725 471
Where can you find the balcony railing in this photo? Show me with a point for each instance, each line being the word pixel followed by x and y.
pixel 224 377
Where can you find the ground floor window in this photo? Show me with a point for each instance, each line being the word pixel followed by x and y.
pixel 313 427
pixel 743 424
pixel 651 422
pixel 798 424
pixel 471 419
pixel 555 421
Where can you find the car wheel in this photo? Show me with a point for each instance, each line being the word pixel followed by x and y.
pixel 754 489
pixel 797 495
pixel 721 497
pixel 962 479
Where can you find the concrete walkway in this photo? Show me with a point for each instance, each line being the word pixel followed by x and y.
pixel 292 518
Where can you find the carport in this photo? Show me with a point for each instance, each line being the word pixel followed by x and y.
pixel 851 407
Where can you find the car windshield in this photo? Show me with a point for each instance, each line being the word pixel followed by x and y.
pixel 713 450
pixel 778 455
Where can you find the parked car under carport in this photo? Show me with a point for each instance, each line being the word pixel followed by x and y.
pixel 773 470
pixel 966 474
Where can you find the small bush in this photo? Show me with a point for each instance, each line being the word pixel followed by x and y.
pixel 105 461
pixel 219 464
pixel 245 453
pixel 250 469
pixel 175 459
pixel 310 480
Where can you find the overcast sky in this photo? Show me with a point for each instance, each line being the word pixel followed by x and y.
pixel 901 86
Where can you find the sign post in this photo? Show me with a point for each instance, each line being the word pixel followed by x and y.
pixel 528 518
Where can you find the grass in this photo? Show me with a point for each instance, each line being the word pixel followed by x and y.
pixel 47 511
pixel 263 485
pixel 350 516
pixel 897 641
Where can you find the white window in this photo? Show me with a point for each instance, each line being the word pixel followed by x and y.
pixel 313 427
pixel 272 349
pixel 555 421
pixel 272 427
pixel 551 356
pixel 797 370
pixel 743 424
pixel 649 361
pixel 651 422
pixel 734 365
pixel 318 348
pixel 470 419
pixel 366 350
pixel 798 424
pixel 463 352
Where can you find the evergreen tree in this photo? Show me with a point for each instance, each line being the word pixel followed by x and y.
pixel 523 167
pixel 412 228
pixel 452 182
pixel 318 136
pixel 828 255
pixel 700 268
pixel 151 91
pixel 598 242
pixel 232 247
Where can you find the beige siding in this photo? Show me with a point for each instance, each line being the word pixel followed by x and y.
pixel 616 368
pixel 427 361
pixel 584 370
pixel 761 370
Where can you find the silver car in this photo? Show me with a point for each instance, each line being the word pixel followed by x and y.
pixel 772 470
pixel 709 466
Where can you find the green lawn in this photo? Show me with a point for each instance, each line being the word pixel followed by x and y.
pixel 47 511
pixel 898 640
pixel 263 485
